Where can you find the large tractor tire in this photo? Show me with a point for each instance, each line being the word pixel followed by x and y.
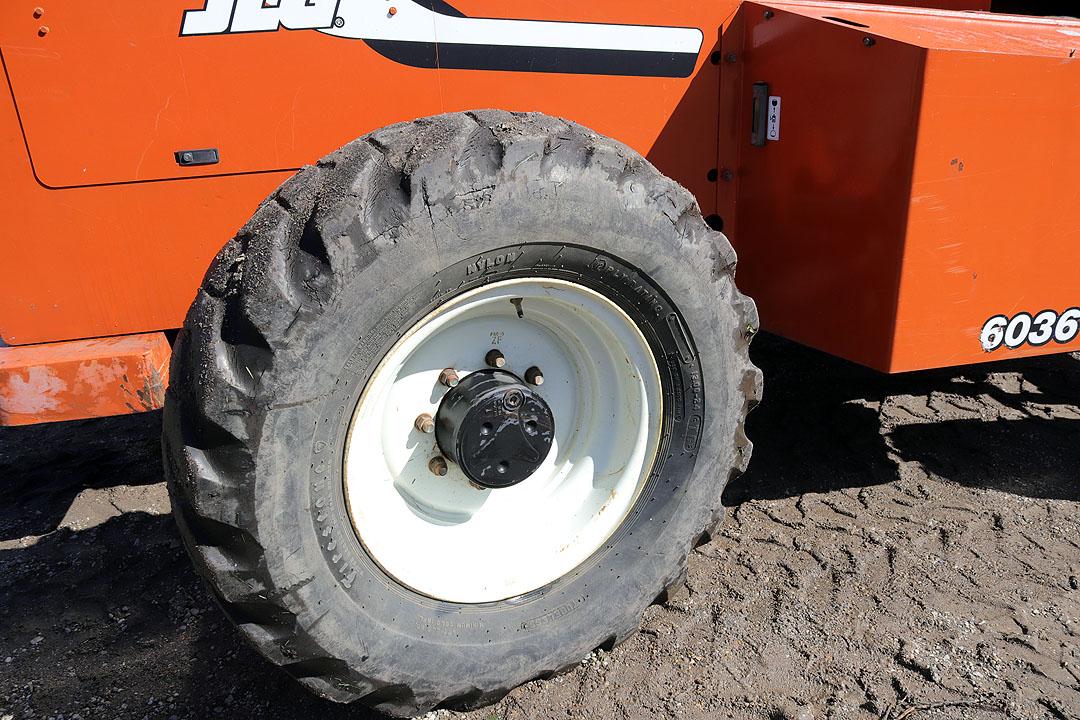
pixel 573 457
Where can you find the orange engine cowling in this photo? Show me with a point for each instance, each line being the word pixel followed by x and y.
pixel 912 202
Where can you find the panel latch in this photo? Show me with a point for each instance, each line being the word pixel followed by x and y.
pixel 759 114
pixel 207 156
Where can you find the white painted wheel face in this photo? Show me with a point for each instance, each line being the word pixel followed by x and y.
pixel 442 536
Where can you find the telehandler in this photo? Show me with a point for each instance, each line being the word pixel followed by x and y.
pixel 454 403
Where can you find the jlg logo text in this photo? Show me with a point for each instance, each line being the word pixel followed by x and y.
pixel 241 16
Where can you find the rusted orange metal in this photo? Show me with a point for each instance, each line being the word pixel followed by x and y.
pixel 923 183
pixel 83 379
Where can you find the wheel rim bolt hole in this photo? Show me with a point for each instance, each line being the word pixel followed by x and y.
pixel 534 376
pixel 486 429
pixel 495 358
pixel 437 466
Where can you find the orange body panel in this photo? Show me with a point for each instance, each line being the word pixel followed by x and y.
pixel 994 218
pixel 923 182
pixel 106 97
pixel 921 185
pixel 105 234
pixel 83 379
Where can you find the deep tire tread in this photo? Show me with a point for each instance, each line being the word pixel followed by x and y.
pixel 284 258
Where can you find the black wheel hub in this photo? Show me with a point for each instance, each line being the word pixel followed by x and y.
pixel 495 427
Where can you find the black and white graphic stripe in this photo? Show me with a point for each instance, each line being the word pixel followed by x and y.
pixel 431 33
pixel 424 34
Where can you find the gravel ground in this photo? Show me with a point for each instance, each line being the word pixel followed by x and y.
pixel 902 548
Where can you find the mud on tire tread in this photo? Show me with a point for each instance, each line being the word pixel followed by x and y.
pixel 417 182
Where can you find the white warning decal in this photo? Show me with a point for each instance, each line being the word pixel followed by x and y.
pixel 772 125
pixel 1034 330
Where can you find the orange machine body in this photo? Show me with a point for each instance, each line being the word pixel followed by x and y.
pixel 107 231
pixel 922 200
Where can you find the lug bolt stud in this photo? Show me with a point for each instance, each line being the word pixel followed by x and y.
pixel 425 423
pixel 449 377
pixel 437 465
pixel 495 358
pixel 533 376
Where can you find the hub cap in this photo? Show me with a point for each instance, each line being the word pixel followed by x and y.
pixel 495 428
pixel 477 533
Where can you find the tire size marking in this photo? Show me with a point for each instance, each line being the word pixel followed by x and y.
pixel 1035 330
pixel 548 618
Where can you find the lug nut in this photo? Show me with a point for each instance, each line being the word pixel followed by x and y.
pixel 425 423
pixel 437 465
pixel 533 376
pixel 495 358
pixel 449 377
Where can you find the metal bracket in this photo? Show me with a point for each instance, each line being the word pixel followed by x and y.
pixel 760 114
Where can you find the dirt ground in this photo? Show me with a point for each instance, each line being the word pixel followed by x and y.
pixel 901 548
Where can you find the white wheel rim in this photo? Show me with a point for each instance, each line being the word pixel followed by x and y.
pixel 448 539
